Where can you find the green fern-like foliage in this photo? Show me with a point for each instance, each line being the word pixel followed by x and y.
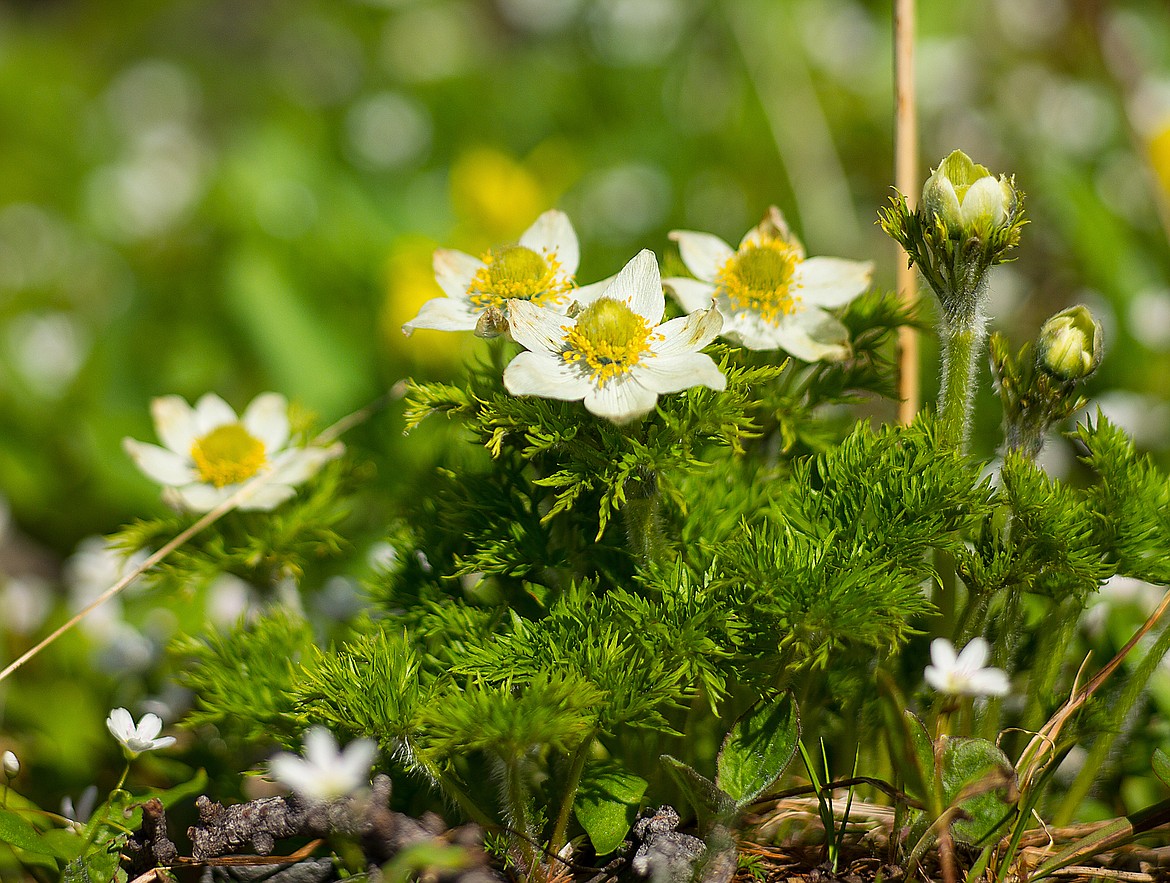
pixel 243 681
pixel 1131 502
pixel 1042 541
pixel 838 556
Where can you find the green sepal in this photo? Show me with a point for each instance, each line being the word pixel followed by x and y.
pixel 607 804
pixel 759 746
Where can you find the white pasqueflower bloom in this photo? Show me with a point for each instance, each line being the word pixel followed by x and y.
pixel 208 452
pixel 11 764
pixel 770 295
pixel 963 674
pixel 324 773
pixel 140 737
pixel 614 354
pixel 539 269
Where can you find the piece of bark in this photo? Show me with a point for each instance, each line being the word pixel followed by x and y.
pixel 149 846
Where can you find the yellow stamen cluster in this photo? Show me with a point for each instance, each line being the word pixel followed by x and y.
pixel 227 455
pixel 609 338
pixel 518 272
pixel 758 278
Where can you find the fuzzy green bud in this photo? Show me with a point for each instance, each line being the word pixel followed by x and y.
pixel 966 197
pixel 1069 346
pixel 11 764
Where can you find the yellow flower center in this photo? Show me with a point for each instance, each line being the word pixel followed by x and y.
pixel 515 271
pixel 609 338
pixel 758 278
pixel 227 455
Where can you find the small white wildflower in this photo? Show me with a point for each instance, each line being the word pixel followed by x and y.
pixel 614 355
pixel 137 738
pixel 539 269
pixel 324 773
pixel 11 764
pixel 208 452
pixel 963 674
pixel 770 295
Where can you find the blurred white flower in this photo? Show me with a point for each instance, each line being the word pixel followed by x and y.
pixel 79 815
pixel 964 674
pixel 770 295
pixel 613 354
pixel 140 737
pixel 210 453
pixel 11 764
pixel 325 773
pixel 26 602
pixel 479 292
pixel 92 569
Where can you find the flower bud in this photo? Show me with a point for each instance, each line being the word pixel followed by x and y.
pixel 11 764
pixel 1070 346
pixel 966 197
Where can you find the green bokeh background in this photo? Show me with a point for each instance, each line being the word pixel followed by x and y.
pixel 212 195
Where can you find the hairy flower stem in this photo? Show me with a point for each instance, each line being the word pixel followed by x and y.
pixel 572 781
pixel 643 517
pixel 963 339
pixel 516 801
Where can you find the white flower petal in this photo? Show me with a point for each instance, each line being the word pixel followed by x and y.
pixel 830 282
pixel 149 727
pixel 266 418
pixel 942 654
pixel 120 724
pixel 692 294
pixel 688 333
pixel 320 746
pixel 539 373
pixel 771 228
pixel 676 372
pixel 454 271
pixel 174 421
pixel 266 497
pixel 703 253
pixel 444 314
pixel 984 199
pixel 639 285
pixel 212 412
pixel 202 497
pixel 297 465
pixel 587 294
pixel 620 400
pixel 553 232
pixel 974 656
pixel 989 682
pixel 814 336
pixel 936 680
pixel 159 464
pixel 356 760
pixel 292 772
pixel 537 328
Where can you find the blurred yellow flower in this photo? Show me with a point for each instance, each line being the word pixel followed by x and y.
pixel 1159 149
pixel 410 283
pixel 495 195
